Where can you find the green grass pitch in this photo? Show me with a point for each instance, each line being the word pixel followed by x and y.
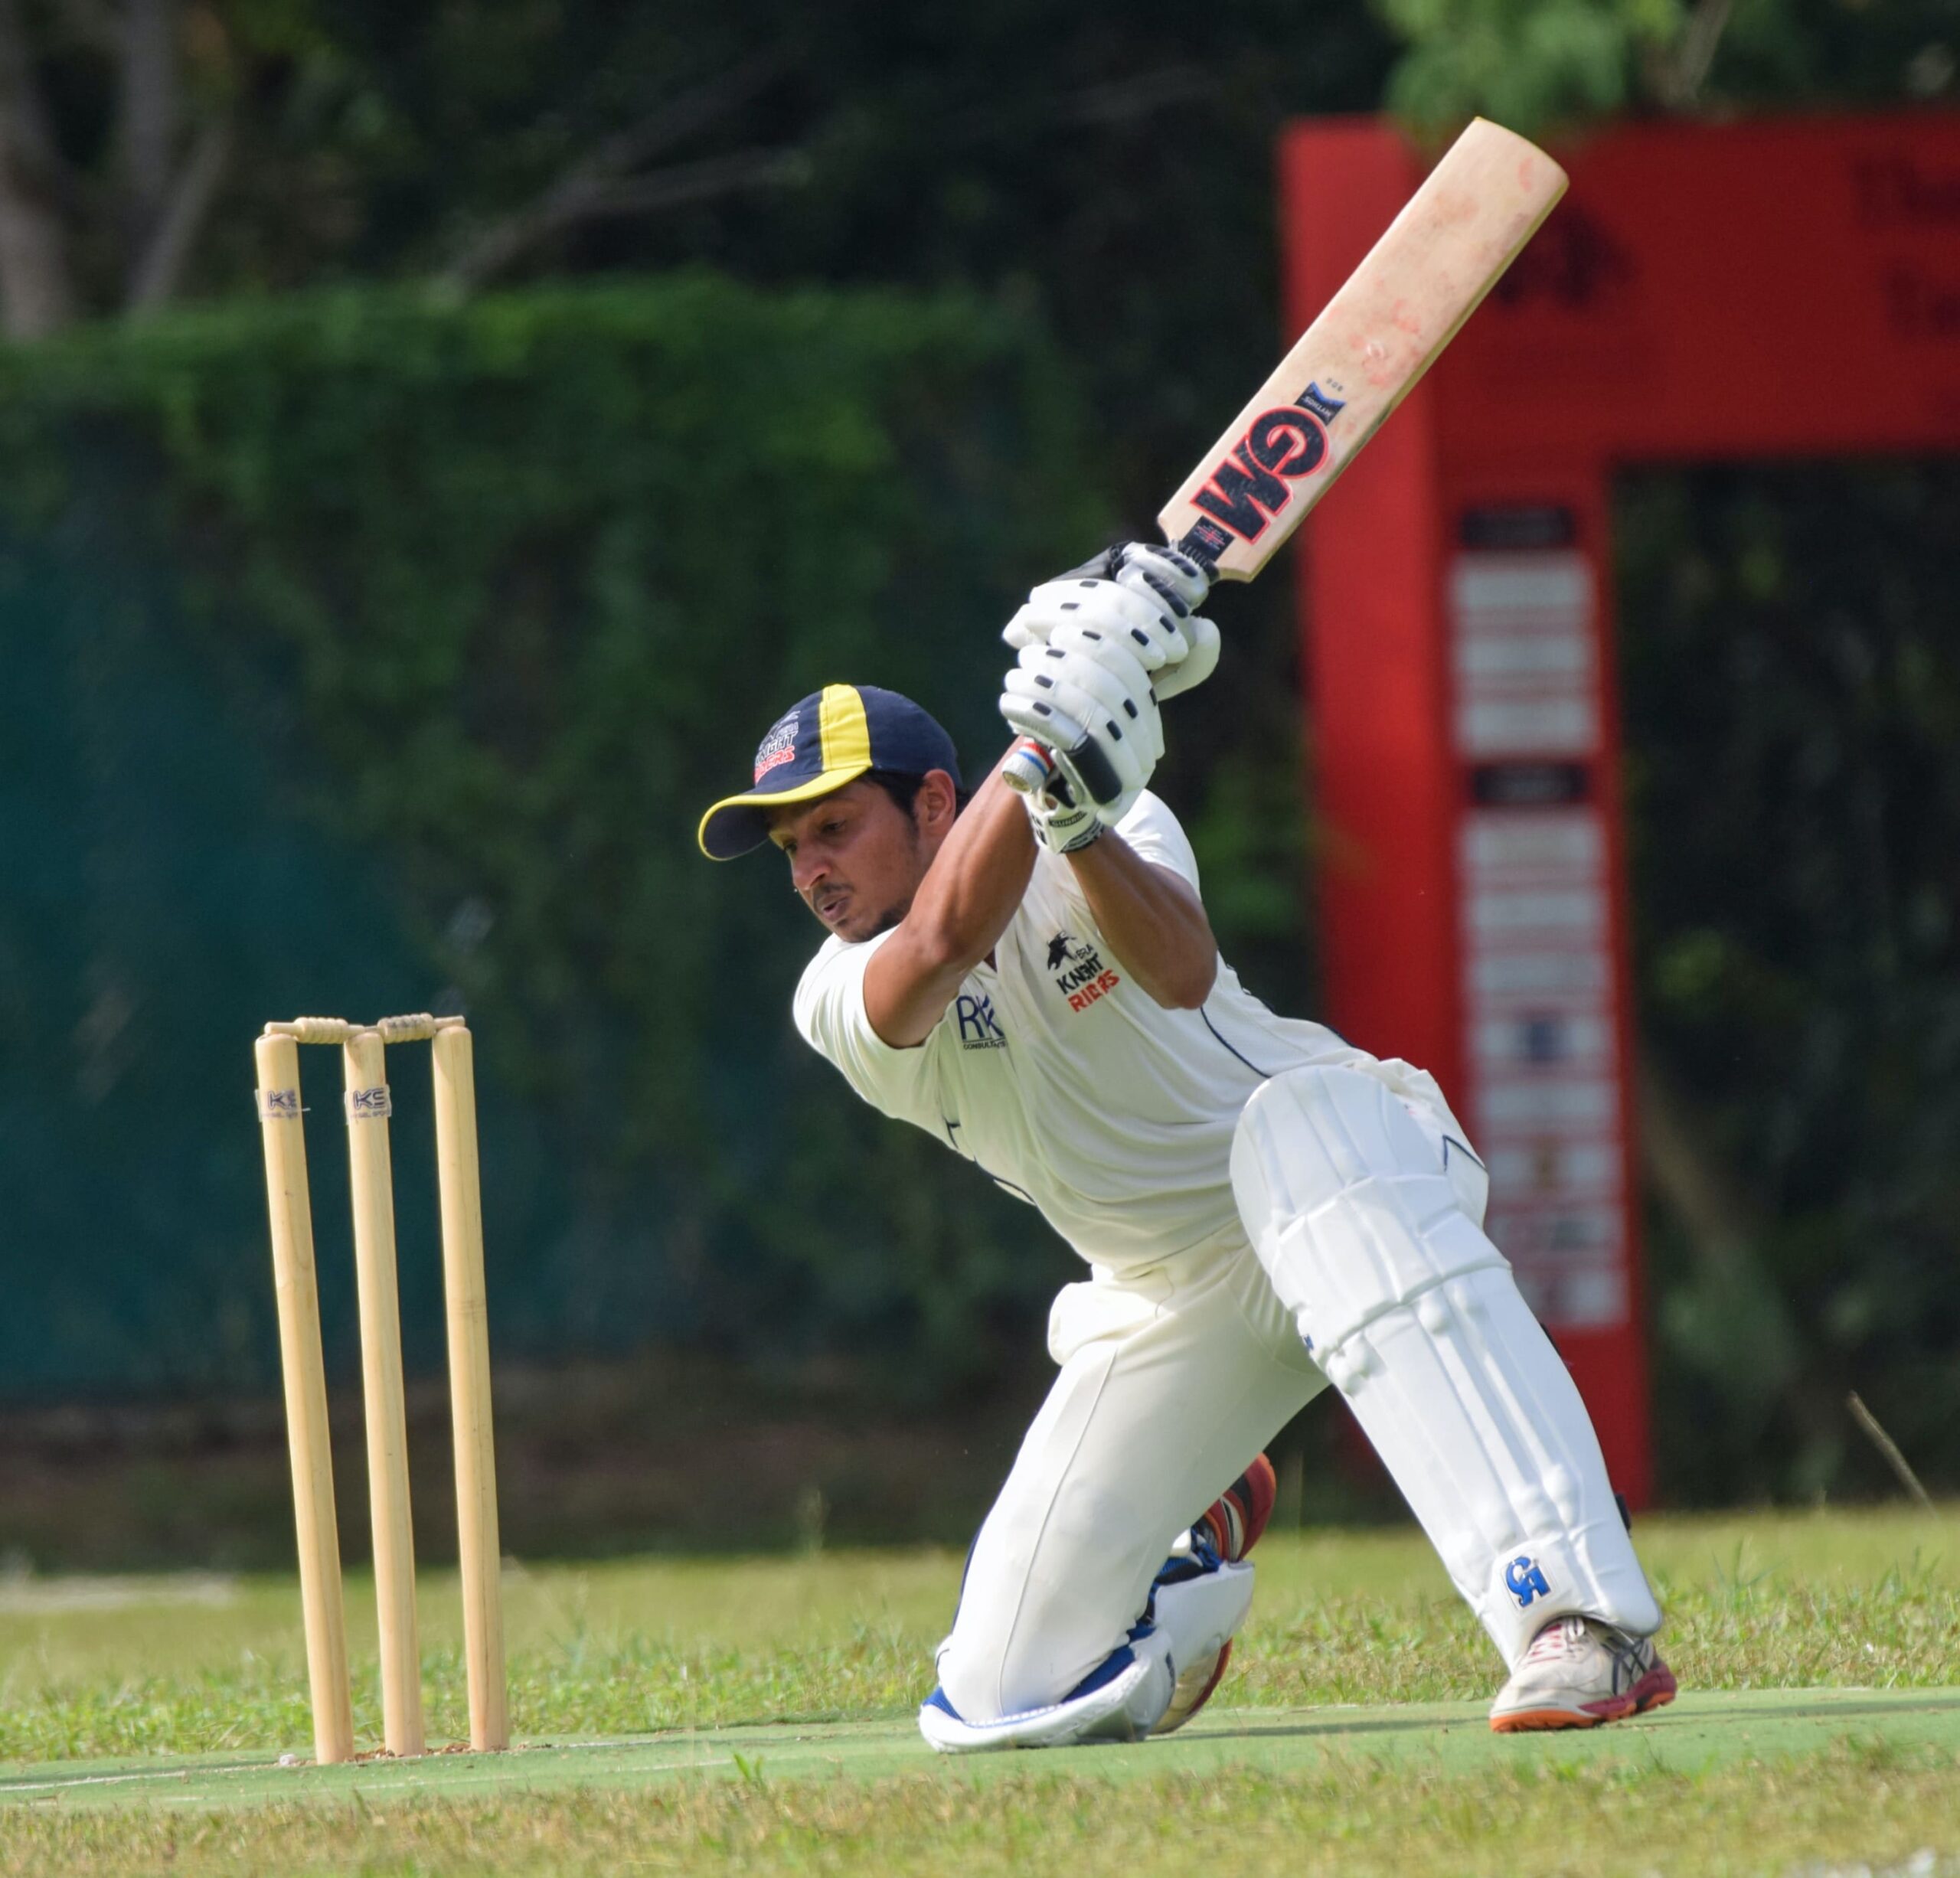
pixel 754 1715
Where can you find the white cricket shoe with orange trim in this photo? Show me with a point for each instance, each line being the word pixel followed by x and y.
pixel 1579 1672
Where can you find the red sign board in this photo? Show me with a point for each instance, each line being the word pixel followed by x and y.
pixel 1777 289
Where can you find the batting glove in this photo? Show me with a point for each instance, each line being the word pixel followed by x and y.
pixel 1144 593
pixel 1063 828
pixel 1082 687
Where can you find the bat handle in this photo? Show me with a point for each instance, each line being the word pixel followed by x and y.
pixel 1029 768
pixel 1202 544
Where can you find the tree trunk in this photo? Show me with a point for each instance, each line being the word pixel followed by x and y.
pixel 37 290
pixel 158 269
pixel 149 120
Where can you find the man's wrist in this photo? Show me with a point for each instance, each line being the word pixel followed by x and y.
pixel 1063 828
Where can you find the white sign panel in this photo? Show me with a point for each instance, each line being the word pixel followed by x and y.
pixel 1537 898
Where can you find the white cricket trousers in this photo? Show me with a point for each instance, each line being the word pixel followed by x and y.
pixel 1173 1375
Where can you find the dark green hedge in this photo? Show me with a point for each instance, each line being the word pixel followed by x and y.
pixel 375 650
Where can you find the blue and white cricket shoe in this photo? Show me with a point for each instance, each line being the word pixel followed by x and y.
pixel 1230 1530
pixel 1120 1701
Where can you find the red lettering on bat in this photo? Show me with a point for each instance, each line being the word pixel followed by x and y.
pixel 1250 486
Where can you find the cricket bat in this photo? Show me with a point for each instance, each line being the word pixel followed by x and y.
pixel 1345 374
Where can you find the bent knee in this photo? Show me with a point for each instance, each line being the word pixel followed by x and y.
pixel 990 1671
pixel 984 1678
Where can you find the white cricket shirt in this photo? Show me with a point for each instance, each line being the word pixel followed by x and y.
pixel 1058 1074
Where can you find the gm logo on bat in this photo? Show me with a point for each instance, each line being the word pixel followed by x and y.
pixel 1279 447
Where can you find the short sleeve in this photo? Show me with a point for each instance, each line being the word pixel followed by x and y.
pixel 829 1011
pixel 1156 835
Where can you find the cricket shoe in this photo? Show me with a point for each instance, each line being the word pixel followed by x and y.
pixel 1579 1672
pixel 1228 1530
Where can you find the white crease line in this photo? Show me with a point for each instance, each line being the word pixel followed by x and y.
pixel 113 1780
pixel 32 1597
pixel 497 1774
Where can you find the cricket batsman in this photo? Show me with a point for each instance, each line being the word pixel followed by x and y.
pixel 1262 1208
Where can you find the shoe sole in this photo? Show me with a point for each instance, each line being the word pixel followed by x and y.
pixel 1264 1485
pixel 1169 1727
pixel 1654 1690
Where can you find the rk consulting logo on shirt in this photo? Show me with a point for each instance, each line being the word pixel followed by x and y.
pixel 1079 972
pixel 979 1029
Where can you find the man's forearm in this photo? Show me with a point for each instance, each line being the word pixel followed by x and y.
pixel 1153 918
pixel 962 906
pixel 978 877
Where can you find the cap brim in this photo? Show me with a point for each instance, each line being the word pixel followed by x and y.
pixel 738 824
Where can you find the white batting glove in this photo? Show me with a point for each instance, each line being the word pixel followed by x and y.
pixel 1084 687
pixel 1141 623
pixel 1171 576
pixel 1178 649
pixel 1063 828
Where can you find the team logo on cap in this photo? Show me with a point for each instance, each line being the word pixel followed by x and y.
pixel 778 748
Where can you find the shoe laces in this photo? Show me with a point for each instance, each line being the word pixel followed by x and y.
pixel 1560 1638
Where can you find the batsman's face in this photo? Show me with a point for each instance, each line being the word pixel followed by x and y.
pixel 856 858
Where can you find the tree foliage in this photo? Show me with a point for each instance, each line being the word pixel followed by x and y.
pixel 1792 640
pixel 520 584
pixel 1546 65
pixel 467 586
pixel 153 147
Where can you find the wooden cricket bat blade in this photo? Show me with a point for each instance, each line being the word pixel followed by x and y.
pixel 1373 340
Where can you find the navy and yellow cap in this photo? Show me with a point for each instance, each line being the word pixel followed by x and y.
pixel 829 739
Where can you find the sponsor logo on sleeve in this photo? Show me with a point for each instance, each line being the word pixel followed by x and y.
pixel 1079 972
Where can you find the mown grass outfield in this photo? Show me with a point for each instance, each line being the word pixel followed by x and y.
pixel 755 1714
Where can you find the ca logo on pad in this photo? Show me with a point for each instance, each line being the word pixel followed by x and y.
pixel 1523 1580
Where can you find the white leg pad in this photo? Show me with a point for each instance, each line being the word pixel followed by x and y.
pixel 1416 1317
pixel 1201 1614
pixel 1124 1708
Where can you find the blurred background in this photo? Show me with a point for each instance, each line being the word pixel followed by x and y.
pixel 437 441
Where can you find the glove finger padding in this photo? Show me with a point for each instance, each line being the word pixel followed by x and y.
pixel 1035 713
pixel 1072 690
pixel 1058 734
pixel 1197 665
pixel 1168 574
pixel 1125 708
pixel 1116 683
pixel 1045 609
pixel 1140 620
pixel 1040 718
pixel 1136 685
pixel 1067 704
